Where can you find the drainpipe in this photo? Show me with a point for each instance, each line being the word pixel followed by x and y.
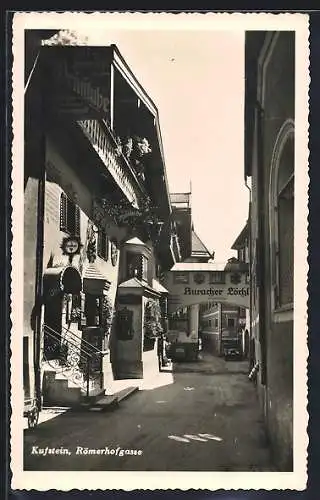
pixel 250 353
pixel 258 140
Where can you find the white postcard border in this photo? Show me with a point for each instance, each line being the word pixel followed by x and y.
pixel 122 480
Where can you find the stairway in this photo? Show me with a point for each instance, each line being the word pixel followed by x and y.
pixel 75 375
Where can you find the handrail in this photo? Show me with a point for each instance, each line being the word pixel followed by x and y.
pixel 54 334
pixel 90 346
pixel 83 352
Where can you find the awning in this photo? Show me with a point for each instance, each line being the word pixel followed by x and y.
pixel 61 279
pixel 94 281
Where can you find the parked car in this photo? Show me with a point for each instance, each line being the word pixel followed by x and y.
pixel 231 345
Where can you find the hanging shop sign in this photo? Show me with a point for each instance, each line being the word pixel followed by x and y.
pixel 71 245
pixel 194 287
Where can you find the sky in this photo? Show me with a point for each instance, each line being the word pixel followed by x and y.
pixel 196 79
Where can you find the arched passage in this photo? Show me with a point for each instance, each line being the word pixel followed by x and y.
pixel 192 285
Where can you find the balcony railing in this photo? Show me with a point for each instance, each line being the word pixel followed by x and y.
pixel 105 145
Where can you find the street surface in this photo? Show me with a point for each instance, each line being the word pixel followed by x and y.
pixel 202 417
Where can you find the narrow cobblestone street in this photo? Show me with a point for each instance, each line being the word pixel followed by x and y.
pixel 203 416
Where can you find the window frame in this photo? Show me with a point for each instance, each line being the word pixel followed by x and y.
pixel 139 263
pixel 285 135
pixel 233 321
pixel 65 219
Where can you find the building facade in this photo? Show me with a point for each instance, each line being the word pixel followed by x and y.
pixel 269 166
pixel 218 322
pixel 98 219
pixel 242 247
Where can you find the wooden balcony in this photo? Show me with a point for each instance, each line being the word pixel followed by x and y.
pixel 117 165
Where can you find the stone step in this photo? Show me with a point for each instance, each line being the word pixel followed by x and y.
pixel 109 402
pixel 125 393
pixel 105 402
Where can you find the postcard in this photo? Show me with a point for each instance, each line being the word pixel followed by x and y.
pixel 159 252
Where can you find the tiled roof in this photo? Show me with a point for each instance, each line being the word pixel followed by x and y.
pixel 135 241
pixel 131 283
pixel 136 283
pixel 92 271
pixel 241 238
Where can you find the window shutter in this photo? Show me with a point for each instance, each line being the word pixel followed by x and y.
pixel 77 221
pixel 63 212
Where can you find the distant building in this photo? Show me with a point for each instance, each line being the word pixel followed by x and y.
pixel 217 322
pixel 193 250
pixel 242 246
pixel 192 247
pixel 269 163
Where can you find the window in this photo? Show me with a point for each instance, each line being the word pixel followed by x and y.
pixel 217 277
pixel 158 270
pixel 285 240
pixel 282 217
pixel 241 257
pixel 144 268
pixel 246 254
pixel 103 244
pixel 242 312
pixel 216 323
pixel 137 266
pixel 231 322
pixel 69 216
